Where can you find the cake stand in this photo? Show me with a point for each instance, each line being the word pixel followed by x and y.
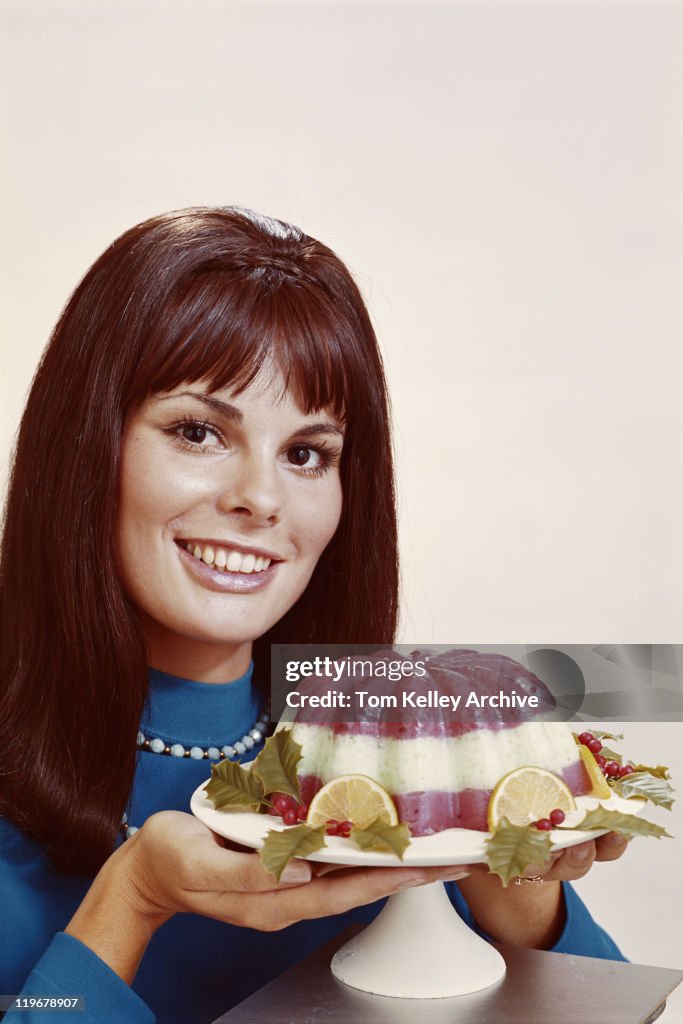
pixel 418 946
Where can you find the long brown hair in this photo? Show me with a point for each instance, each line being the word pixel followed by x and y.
pixel 200 294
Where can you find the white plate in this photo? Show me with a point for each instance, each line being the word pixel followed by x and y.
pixel 454 846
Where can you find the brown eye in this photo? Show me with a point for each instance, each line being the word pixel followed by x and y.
pixel 195 433
pixel 299 455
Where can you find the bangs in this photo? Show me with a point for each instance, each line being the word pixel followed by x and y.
pixel 226 331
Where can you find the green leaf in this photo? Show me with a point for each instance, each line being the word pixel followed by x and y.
pixel 512 848
pixel 231 788
pixel 276 764
pixel 660 772
pixel 652 787
pixel 298 841
pixel 629 825
pixel 611 755
pixel 380 836
pixel 607 735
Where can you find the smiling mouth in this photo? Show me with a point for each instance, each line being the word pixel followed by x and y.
pixel 226 559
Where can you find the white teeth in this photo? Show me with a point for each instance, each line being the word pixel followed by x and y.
pixel 234 562
pixel 227 561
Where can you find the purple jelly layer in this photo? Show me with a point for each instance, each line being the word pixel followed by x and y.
pixel 436 810
pixel 423 702
pixel 403 730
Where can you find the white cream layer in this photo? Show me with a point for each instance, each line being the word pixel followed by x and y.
pixel 475 760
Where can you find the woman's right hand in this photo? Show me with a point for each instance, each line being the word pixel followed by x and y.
pixel 175 864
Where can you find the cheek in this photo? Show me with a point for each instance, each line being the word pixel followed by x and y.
pixel 152 490
pixel 147 500
pixel 322 518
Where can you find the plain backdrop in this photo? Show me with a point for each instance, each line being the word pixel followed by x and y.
pixel 504 180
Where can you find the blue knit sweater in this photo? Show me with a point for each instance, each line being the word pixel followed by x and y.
pixel 194 968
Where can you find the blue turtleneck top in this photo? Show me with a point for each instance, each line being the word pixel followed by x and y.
pixel 195 968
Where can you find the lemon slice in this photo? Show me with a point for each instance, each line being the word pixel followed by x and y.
pixel 527 794
pixel 599 787
pixel 353 798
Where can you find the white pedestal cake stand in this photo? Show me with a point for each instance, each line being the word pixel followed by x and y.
pixel 418 947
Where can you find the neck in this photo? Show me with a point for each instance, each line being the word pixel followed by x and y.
pixel 204 663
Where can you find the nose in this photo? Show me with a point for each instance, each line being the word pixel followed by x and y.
pixel 252 490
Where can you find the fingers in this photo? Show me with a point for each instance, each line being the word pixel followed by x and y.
pixel 182 856
pixel 576 861
pixel 339 891
pixel 187 868
pixel 245 873
pixel 610 846
pixel 573 863
pixel 319 869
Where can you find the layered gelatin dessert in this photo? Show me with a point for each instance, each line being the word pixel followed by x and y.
pixel 439 764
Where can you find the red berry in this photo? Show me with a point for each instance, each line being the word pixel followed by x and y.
pixel 289 817
pixel 345 828
pixel 302 812
pixel 545 824
pixel 626 769
pixel 332 827
pixel 612 769
pixel 280 802
pixel 586 737
pixel 602 761
pixel 595 746
pixel 557 816
pixel 274 810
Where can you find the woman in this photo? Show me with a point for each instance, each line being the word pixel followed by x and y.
pixel 203 469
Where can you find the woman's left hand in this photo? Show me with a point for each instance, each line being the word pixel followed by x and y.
pixel 576 861
pixel 532 913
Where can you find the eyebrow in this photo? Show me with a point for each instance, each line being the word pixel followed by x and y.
pixel 231 411
pixel 234 414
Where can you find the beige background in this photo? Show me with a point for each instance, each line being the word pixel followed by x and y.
pixel 504 180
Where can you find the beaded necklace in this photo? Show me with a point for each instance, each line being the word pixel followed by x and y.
pixel 232 751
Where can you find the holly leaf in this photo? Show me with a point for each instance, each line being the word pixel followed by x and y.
pixel 512 848
pixel 279 847
pixel 276 765
pixel 661 771
pixel 629 825
pixel 231 788
pixel 607 735
pixel 611 755
pixel 380 836
pixel 652 787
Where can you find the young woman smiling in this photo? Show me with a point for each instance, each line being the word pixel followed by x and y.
pixel 203 468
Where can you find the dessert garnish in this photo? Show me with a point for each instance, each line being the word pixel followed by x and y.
pixel 515 844
pixel 627 779
pixel 382 837
pixel 280 847
pixel 352 794
pixel 527 794
pixel 350 806
pixel 231 789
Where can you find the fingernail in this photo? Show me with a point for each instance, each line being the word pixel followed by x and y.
pixel 295 873
pixel 407 883
pixel 616 839
pixel 455 877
